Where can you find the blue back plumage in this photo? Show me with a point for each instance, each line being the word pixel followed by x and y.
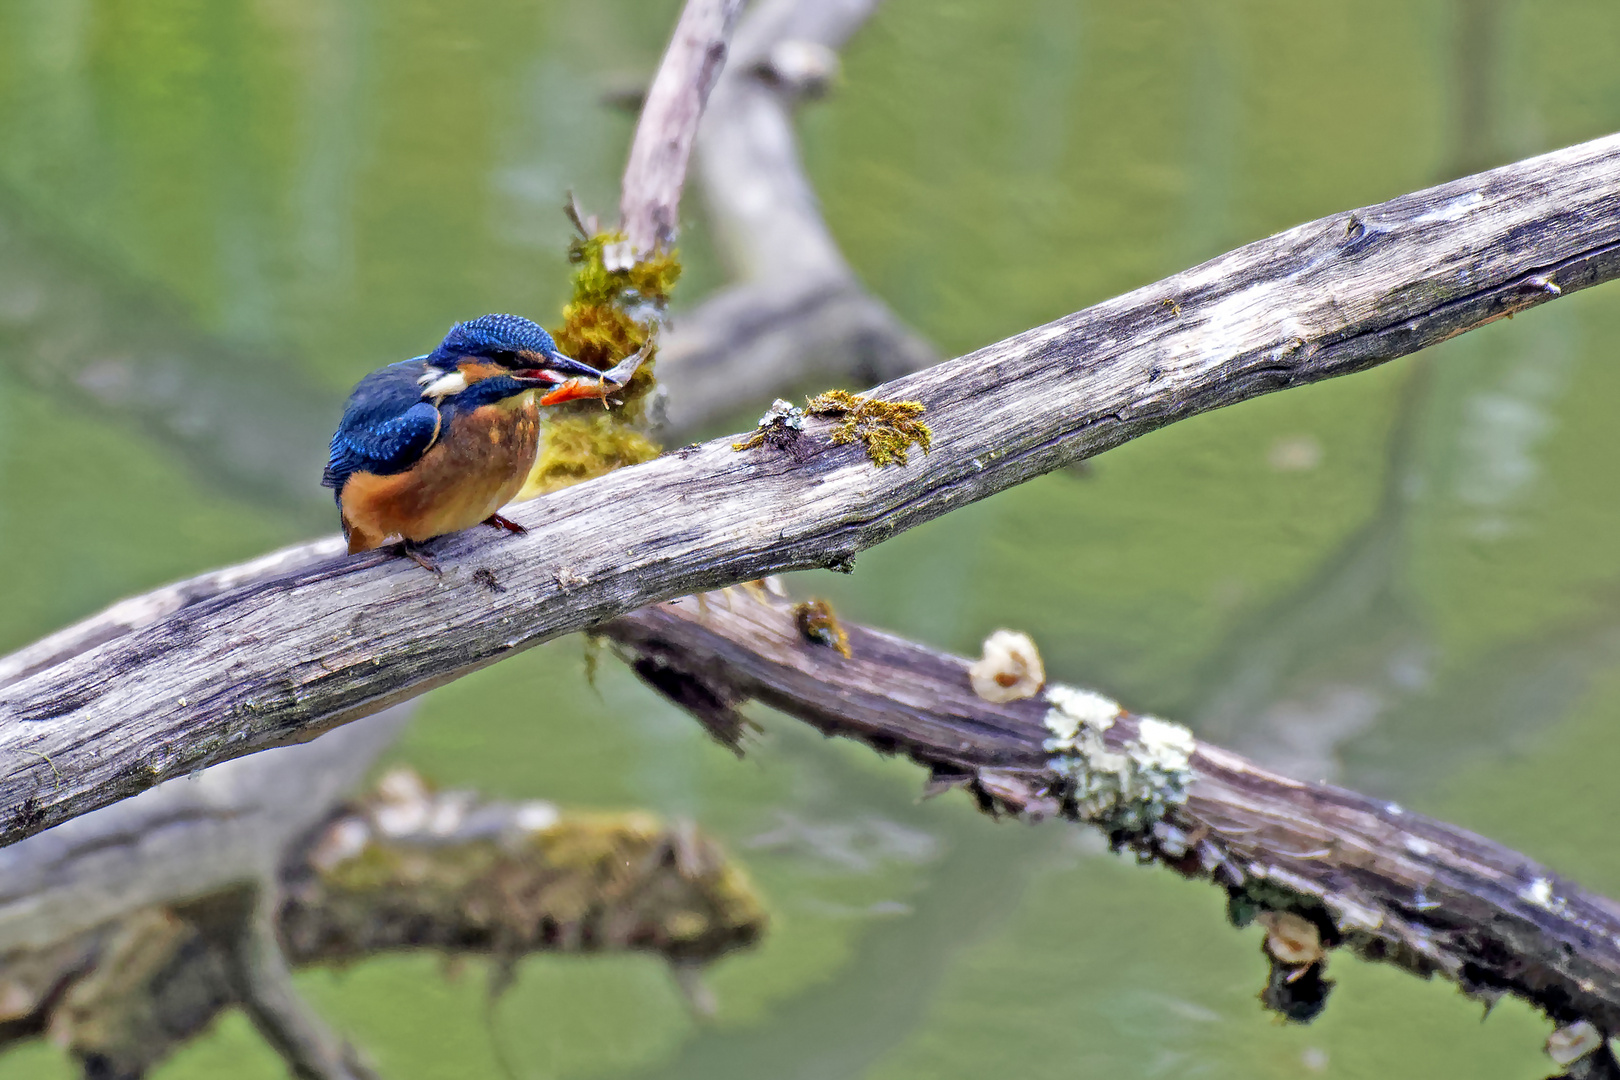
pixel 492 336
pixel 386 425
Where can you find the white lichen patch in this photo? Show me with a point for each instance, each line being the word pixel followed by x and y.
pixel 536 816
pixel 1569 1044
pixel 1009 670
pixel 1171 840
pixel 1125 788
pixel 1165 745
pixel 1073 709
pixel 341 841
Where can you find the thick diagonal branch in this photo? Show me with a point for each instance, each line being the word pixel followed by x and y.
pixel 330 639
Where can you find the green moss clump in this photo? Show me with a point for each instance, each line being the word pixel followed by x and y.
pixel 887 429
pixel 613 314
pixel 578 447
pixel 818 624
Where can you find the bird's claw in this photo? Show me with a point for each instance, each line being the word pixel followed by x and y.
pixel 411 551
pixel 499 522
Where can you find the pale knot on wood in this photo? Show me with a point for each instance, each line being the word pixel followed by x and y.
pixel 1291 939
pixel 1569 1044
pixel 1009 670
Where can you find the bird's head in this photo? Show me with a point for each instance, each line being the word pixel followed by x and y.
pixel 517 350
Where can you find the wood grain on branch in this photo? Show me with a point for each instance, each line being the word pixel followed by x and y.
pixel 326 640
pixel 1390 884
pixel 650 196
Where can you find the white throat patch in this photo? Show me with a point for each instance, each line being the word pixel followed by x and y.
pixel 441 385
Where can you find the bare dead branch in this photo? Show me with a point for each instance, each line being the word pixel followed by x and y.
pixel 650 197
pixel 1389 884
pixel 293 655
pixel 240 927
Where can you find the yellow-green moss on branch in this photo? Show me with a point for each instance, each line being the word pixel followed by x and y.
pixel 887 429
pixel 819 625
pixel 613 313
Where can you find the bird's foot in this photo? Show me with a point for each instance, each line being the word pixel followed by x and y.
pixel 508 524
pixel 412 551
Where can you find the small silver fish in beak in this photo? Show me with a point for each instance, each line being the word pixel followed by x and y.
pixel 600 383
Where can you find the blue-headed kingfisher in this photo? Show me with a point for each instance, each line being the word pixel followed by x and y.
pixel 440 442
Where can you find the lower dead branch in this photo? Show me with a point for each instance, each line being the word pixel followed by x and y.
pixel 238 927
pixel 1386 883
pixel 1347 871
pixel 193 836
pixel 403 867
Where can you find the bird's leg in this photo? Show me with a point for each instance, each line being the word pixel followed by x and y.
pixel 413 551
pixel 505 523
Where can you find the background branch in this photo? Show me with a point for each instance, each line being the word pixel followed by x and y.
pixel 797 315
pixel 294 655
pixel 402 867
pixel 650 196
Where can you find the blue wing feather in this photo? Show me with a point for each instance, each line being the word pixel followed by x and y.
pixel 386 426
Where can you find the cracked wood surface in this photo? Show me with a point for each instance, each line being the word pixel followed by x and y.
pixel 328 639
pixel 1390 884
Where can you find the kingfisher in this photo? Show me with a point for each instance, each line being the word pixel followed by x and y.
pixel 439 443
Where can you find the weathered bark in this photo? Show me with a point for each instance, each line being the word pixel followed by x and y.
pixel 650 196
pixel 298 653
pixel 1390 884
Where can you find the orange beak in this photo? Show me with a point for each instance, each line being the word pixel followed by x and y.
pixel 574 389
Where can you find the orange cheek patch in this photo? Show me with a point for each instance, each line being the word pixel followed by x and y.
pixel 474 370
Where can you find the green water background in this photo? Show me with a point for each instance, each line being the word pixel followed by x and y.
pixel 1408 580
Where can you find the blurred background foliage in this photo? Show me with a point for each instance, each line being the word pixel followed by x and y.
pixel 1407 581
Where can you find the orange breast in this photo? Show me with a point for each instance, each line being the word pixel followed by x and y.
pixel 476 467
